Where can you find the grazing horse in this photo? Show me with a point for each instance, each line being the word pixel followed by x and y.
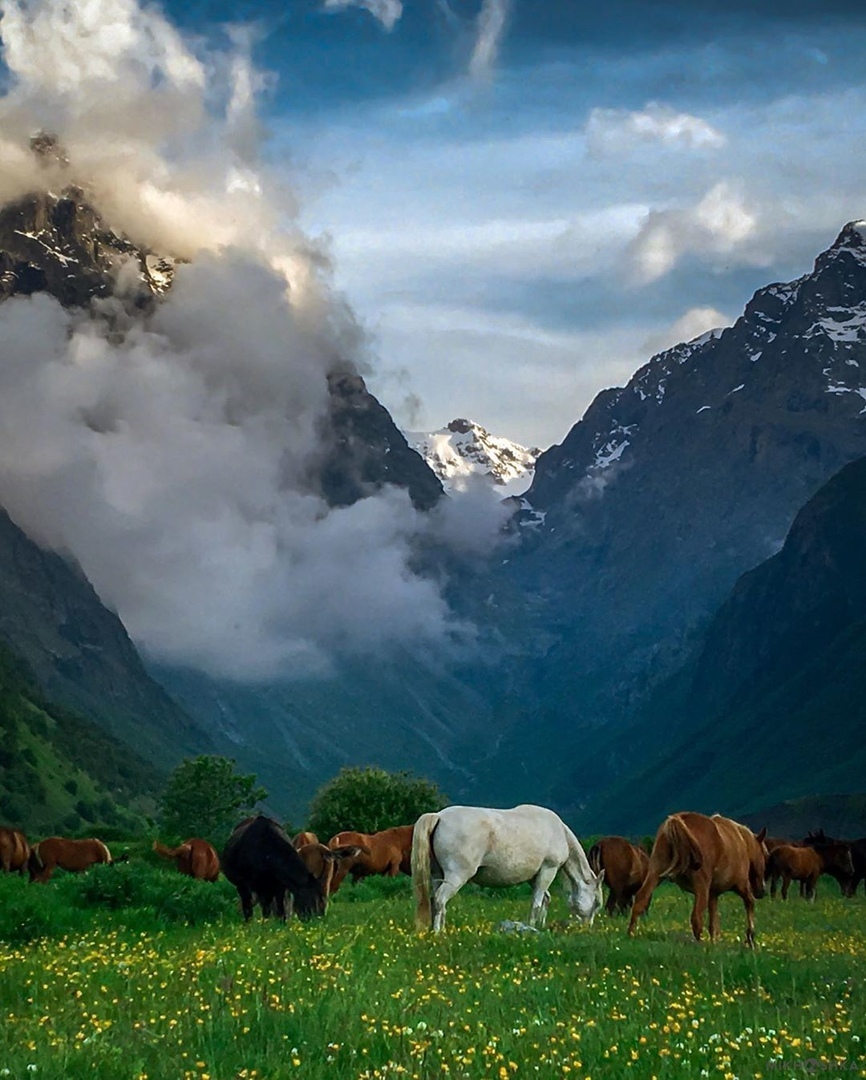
pixel 706 856
pixel 625 866
pixel 72 855
pixel 498 847
pixel 324 863
pixel 793 862
pixel 261 863
pixel 304 838
pixel 858 857
pixel 388 852
pixel 195 857
pixel 14 850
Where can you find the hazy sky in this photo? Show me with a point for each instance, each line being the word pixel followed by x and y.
pixel 526 198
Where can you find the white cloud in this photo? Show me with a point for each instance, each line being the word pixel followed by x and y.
pixel 173 455
pixel 692 324
pixel 719 223
pixel 617 131
pixel 388 12
pixel 492 21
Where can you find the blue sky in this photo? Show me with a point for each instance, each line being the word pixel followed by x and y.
pixel 519 226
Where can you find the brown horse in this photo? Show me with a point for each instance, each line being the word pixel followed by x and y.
pixel 706 856
pixel 304 838
pixel 194 857
pixel 858 857
pixel 324 863
pixel 388 852
pixel 72 855
pixel 625 867
pixel 14 850
pixel 793 862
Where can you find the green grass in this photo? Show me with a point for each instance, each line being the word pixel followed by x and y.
pixel 147 974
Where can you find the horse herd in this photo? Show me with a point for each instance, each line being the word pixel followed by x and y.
pixel 705 856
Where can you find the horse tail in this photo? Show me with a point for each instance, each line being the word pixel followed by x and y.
pixel 422 838
pixel 683 851
pixel 594 856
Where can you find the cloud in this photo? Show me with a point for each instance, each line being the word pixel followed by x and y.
pixel 618 131
pixel 692 324
pixel 718 224
pixel 492 20
pixel 171 454
pixel 388 12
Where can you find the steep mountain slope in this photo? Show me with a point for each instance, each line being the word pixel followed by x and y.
pixel 662 495
pixel 464 450
pixel 61 772
pixel 80 653
pixel 772 708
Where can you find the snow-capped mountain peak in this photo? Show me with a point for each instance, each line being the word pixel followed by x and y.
pixel 464 450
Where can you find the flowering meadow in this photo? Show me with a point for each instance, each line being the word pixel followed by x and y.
pixel 134 973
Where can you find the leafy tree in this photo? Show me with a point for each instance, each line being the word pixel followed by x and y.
pixel 206 797
pixel 370 799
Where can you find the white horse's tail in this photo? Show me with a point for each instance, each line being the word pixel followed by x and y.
pixel 421 842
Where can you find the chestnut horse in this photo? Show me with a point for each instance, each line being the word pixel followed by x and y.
pixel 72 855
pixel 793 862
pixel 304 838
pixel 194 857
pixel 706 856
pixel 14 850
pixel 388 852
pixel 625 867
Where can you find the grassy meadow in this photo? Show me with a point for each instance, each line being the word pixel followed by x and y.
pixel 132 972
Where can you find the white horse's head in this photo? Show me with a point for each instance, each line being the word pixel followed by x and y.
pixel 585 896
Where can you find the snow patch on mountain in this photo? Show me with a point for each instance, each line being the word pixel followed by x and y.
pixel 463 451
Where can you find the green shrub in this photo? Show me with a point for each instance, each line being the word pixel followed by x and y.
pixel 370 799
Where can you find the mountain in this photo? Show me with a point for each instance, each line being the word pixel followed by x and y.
pixel 463 451
pixel 773 702
pixel 668 489
pixel 60 772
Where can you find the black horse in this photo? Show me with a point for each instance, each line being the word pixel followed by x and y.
pixel 261 863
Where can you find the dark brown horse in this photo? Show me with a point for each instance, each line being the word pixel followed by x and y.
pixel 324 863
pixel 625 867
pixel 795 862
pixel 388 852
pixel 14 850
pixel 261 863
pixel 858 857
pixel 194 857
pixel 706 856
pixel 73 855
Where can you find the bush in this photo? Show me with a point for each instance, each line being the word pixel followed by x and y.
pixel 370 799
pixel 205 797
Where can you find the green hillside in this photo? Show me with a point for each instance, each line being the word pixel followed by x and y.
pixel 59 772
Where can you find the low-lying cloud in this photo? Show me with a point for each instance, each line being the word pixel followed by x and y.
pixel 172 454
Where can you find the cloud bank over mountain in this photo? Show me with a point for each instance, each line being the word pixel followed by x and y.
pixel 171 454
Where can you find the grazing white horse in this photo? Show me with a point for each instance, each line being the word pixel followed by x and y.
pixel 498 847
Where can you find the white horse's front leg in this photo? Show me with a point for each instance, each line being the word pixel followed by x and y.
pixel 541 896
pixel 440 900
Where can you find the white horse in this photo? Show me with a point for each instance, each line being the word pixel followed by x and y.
pixel 498 847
